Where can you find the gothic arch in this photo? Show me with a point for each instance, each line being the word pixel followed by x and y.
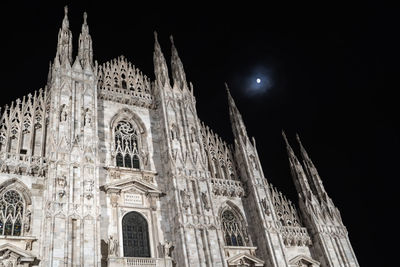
pixel 238 223
pixel 15 208
pixel 128 114
pixel 135 235
pixel 19 186
pixel 232 206
pixel 139 158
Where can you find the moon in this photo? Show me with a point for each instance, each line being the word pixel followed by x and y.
pixel 258 80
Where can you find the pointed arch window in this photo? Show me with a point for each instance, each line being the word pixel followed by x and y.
pixel 126 145
pixel 135 235
pixel 12 208
pixel 232 229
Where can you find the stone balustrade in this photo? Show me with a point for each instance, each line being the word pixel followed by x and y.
pixel 227 187
pixel 143 262
pixel 139 261
pixel 126 96
pixel 295 236
pixel 22 164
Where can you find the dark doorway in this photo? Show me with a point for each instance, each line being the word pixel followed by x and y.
pixel 135 235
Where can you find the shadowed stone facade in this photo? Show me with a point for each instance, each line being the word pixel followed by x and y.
pixel 106 167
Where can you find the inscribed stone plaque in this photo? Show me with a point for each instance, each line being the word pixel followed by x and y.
pixel 133 199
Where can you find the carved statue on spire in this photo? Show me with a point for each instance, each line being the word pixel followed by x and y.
pixel 65 23
pixel 85 50
pixel 160 65
pixel 238 127
pixel 178 73
pixel 64 46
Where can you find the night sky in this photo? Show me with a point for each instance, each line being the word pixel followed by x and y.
pixel 324 71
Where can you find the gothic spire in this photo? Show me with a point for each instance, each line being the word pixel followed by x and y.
pixel 85 51
pixel 312 172
pixel 160 64
pixel 238 127
pixel 178 73
pixel 298 174
pixel 64 45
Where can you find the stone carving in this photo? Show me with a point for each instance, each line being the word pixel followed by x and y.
pixel 114 174
pixel 167 248
pixel 9 259
pixel 210 167
pixel 63 113
pixel 185 197
pixel 148 178
pixel 219 153
pixel 226 187
pixel 206 203
pixel 284 208
pixel 112 246
pixel 27 221
pixel 22 164
pixel 295 236
pixel 61 193
pixel 89 189
pixel 120 81
pixel 87 116
pixel 145 157
pixel 265 206
pixel 5 259
pixel 114 199
pixel 28 245
pixel 245 233
pixel 62 181
pixel 243 263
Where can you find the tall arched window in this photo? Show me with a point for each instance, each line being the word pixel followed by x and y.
pixel 126 145
pixel 135 235
pixel 12 208
pixel 232 229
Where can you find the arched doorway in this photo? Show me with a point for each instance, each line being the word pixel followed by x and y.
pixel 135 235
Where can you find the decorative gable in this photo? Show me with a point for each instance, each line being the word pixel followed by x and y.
pixel 132 184
pixel 303 261
pixel 10 255
pixel 244 260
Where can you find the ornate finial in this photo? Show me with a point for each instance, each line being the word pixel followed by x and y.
pixel 172 39
pixel 284 137
pixel 84 17
pixel 303 151
pixel 65 23
pixel 155 35
pixel 298 138
pixel 226 87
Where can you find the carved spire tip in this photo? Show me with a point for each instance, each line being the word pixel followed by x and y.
pixel 284 137
pixel 226 86
pixel 65 23
pixel 84 17
pixel 298 138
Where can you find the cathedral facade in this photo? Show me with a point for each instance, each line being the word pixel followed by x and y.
pixel 106 167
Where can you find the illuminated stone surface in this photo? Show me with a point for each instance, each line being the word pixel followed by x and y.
pixel 105 167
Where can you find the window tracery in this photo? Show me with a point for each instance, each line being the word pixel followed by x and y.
pixel 126 145
pixel 232 229
pixel 12 209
